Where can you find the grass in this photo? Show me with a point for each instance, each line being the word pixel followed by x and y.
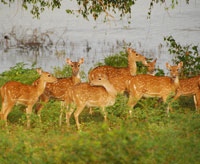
pixel 149 136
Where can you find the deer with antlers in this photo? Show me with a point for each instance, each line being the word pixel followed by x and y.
pixel 57 90
pixel 99 93
pixel 153 86
pixel 14 92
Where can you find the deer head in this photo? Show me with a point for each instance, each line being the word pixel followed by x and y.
pixel 102 80
pixel 134 56
pixel 151 67
pixel 75 66
pixel 174 70
pixel 47 77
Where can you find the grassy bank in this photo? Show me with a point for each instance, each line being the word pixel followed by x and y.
pixel 148 136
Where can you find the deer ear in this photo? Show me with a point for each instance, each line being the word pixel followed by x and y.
pixel 39 71
pixel 130 50
pixel 168 66
pixel 68 61
pixel 180 64
pixel 81 61
pixel 155 60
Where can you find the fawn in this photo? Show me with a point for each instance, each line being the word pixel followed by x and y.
pixel 153 86
pixel 57 90
pixel 99 93
pixel 14 92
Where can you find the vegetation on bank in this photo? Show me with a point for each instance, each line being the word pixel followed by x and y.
pixel 148 136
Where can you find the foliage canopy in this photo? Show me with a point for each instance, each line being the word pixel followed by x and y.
pixel 90 7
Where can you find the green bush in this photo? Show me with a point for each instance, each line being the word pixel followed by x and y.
pixel 63 72
pixel 117 60
pixel 19 73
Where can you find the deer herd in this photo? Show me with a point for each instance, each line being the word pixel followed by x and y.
pixel 105 82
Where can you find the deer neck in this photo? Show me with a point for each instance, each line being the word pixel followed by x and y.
pixel 76 79
pixel 132 66
pixel 176 81
pixel 41 86
pixel 110 89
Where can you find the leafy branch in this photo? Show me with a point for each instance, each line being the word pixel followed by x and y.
pixel 89 7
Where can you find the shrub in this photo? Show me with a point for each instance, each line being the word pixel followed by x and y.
pixel 19 73
pixel 188 54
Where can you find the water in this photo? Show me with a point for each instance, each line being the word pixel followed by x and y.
pixel 74 37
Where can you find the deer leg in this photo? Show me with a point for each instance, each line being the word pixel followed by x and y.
pixel 165 101
pixel 44 99
pixel 28 113
pixel 90 110
pixel 61 112
pixel 133 101
pixel 3 107
pixel 105 113
pixel 77 113
pixel 69 113
pixel 197 101
pixel 6 110
pixel 178 94
pixel 2 116
pixel 131 104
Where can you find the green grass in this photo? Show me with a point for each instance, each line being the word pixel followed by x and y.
pixel 149 136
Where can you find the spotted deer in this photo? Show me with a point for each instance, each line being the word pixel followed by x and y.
pixel 14 92
pixel 99 93
pixel 119 82
pixel 117 72
pixel 153 86
pixel 189 87
pixel 110 71
pixel 57 90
